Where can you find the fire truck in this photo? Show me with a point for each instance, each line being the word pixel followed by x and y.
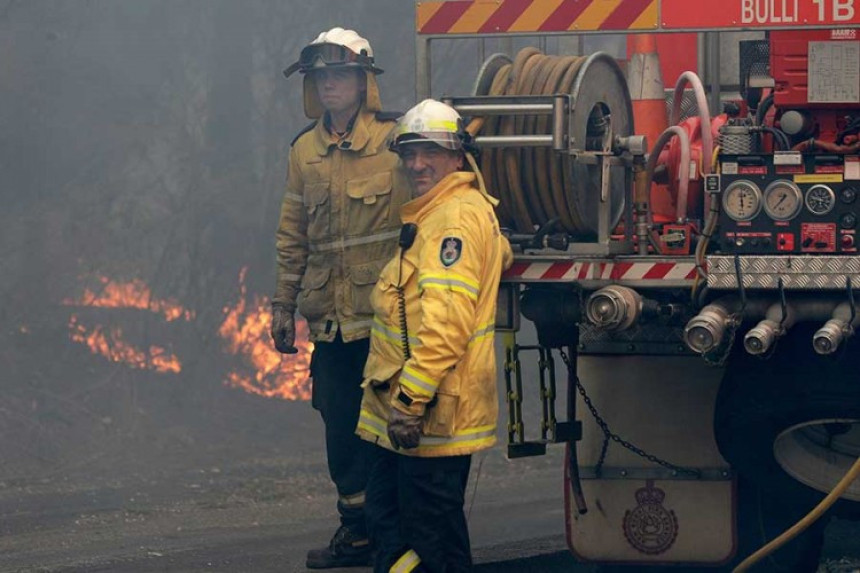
pixel 688 258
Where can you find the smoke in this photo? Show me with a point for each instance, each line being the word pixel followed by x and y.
pixel 146 142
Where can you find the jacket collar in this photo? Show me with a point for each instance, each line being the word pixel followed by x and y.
pixel 414 210
pixel 357 138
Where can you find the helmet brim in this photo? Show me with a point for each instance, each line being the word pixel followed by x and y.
pixel 443 139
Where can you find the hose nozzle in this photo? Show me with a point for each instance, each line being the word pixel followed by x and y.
pixel 761 338
pixel 829 337
pixel 614 308
pixel 706 330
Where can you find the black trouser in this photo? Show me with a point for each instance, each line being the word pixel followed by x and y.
pixel 417 503
pixel 336 368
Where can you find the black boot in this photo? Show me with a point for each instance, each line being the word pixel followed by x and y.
pixel 347 548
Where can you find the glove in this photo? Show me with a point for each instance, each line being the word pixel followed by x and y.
pixel 283 329
pixel 404 430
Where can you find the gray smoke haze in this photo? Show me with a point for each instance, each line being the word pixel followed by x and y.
pixel 147 141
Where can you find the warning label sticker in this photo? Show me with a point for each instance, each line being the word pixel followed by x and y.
pixel 834 72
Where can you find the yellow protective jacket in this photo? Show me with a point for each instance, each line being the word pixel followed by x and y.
pixel 339 225
pixel 450 280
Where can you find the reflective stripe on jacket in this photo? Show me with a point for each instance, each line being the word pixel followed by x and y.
pixel 339 226
pixel 450 279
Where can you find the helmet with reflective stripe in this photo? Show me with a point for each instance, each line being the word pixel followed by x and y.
pixel 431 121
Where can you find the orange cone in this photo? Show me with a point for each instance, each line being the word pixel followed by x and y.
pixel 645 81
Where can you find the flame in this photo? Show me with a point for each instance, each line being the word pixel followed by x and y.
pixel 245 330
pixel 109 343
pixel 131 294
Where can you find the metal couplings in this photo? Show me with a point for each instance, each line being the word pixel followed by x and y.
pixel 614 308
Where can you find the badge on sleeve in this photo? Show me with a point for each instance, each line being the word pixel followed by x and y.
pixel 452 248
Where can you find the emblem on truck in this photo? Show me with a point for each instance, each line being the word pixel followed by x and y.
pixel 650 528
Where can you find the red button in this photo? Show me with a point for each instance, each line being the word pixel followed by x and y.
pixel 847 241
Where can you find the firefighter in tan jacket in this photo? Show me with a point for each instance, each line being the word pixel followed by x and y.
pixel 430 380
pixel 338 227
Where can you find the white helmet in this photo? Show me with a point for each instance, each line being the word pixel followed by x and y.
pixel 431 121
pixel 335 48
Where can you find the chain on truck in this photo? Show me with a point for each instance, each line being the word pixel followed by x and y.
pixel 688 257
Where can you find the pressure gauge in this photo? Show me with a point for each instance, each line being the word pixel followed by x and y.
pixel 742 200
pixel 783 200
pixel 820 199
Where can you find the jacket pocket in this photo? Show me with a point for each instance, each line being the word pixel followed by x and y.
pixel 364 278
pixel 439 419
pixel 384 299
pixel 315 300
pixel 318 206
pixel 369 202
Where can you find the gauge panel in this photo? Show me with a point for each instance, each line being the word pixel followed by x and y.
pixel 820 199
pixel 783 200
pixel 809 206
pixel 742 200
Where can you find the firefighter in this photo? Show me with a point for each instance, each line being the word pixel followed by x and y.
pixel 430 380
pixel 338 227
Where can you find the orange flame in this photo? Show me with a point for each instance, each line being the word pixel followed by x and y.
pixel 131 294
pixel 109 343
pixel 245 331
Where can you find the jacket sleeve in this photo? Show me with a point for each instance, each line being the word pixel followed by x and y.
pixel 507 254
pixel 449 298
pixel 291 238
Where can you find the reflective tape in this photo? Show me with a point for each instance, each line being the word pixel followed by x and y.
pixel 294 197
pixel 471 436
pixel 452 277
pixel 488 330
pixel 456 283
pixel 355 500
pixel 340 244
pixel 291 277
pixel 407 562
pixel 391 334
pixel 356 325
pixel 418 382
pixel 371 423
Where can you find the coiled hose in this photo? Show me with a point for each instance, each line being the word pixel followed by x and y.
pixel 535 184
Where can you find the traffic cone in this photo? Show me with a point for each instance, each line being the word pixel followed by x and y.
pixel 645 81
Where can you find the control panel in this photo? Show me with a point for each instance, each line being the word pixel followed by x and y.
pixel 788 203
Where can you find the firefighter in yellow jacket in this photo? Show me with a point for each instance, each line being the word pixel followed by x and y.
pixel 338 227
pixel 430 380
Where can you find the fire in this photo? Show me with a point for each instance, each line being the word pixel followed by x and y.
pixel 245 330
pixel 109 343
pixel 131 294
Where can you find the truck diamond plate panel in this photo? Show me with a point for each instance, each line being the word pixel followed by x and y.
pixel 797 272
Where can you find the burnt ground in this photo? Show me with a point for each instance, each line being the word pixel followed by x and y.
pixel 111 469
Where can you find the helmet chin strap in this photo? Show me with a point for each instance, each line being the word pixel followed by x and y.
pixel 481 187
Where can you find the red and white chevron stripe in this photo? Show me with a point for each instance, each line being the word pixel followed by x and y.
pixel 601 271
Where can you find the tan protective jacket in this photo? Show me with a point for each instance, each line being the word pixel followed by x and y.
pixel 339 225
pixel 450 279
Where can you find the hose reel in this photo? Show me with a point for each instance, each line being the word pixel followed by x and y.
pixel 548 127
